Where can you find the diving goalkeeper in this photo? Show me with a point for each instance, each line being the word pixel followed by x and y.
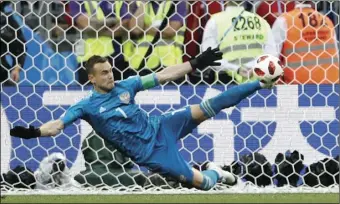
pixel 149 141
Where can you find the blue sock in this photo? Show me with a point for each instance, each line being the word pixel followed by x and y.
pixel 210 178
pixel 229 98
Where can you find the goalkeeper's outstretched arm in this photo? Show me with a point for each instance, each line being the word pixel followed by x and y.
pixel 50 128
pixel 207 58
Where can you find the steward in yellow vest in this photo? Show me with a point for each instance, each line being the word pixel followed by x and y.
pixel 169 48
pixel 248 34
pixel 99 22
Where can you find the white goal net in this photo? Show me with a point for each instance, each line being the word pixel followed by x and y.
pixel 279 140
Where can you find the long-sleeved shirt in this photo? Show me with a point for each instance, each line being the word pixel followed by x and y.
pixel 210 39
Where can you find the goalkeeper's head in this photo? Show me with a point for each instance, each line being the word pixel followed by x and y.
pixel 100 74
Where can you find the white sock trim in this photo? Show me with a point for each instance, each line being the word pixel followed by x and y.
pixel 214 167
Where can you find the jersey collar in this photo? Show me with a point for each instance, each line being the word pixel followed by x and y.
pixel 96 93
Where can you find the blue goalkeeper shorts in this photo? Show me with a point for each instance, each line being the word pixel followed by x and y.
pixel 165 158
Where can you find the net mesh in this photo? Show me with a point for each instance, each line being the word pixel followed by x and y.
pixel 278 141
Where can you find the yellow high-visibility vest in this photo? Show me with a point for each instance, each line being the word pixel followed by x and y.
pixel 102 45
pixel 245 41
pixel 127 46
pixel 166 52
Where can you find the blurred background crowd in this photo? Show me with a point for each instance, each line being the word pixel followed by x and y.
pixel 48 43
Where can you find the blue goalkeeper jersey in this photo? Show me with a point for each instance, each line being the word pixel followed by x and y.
pixel 115 117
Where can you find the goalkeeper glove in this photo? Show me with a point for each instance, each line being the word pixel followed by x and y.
pixel 207 58
pixel 25 133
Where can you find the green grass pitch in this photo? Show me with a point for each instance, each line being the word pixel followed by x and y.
pixel 188 198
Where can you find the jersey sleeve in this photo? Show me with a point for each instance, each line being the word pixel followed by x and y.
pixel 73 113
pixel 138 83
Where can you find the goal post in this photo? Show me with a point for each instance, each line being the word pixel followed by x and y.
pixel 295 127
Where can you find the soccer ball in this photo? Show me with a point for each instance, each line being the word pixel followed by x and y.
pixel 268 68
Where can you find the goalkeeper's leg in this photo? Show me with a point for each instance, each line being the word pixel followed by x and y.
pixel 181 122
pixel 207 179
pixel 209 108
pixel 178 124
pixel 229 98
pixel 167 161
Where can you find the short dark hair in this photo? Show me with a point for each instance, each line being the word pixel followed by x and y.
pixel 92 61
